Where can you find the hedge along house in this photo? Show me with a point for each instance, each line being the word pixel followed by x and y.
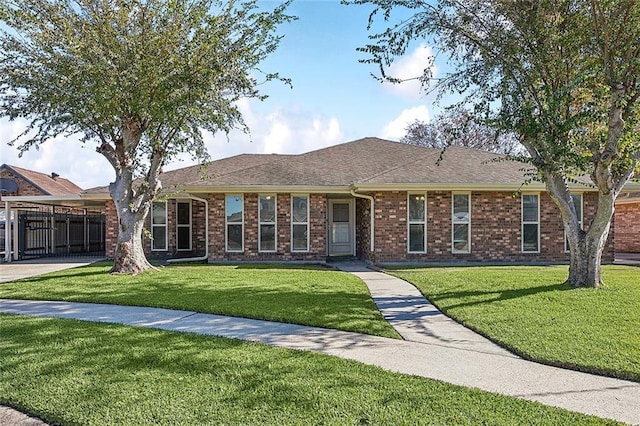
pixel 376 200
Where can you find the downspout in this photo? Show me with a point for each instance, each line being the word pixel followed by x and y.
pixel 371 217
pixel 206 235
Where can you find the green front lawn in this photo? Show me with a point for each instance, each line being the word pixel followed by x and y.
pixel 529 310
pixel 309 295
pixel 70 372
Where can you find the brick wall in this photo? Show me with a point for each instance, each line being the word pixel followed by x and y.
pixel 627 228
pixel 495 229
pixel 363 229
pixel 317 230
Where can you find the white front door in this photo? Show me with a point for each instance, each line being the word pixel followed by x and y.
pixel 341 228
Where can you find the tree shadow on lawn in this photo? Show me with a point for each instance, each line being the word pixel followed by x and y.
pixel 490 296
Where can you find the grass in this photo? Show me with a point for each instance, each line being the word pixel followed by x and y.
pixel 530 311
pixel 308 295
pixel 71 373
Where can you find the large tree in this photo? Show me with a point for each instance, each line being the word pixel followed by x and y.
pixel 140 79
pixel 460 127
pixel 562 75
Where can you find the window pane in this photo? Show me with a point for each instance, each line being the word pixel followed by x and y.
pixel 267 237
pixel 530 237
pixel 183 238
pixel 299 237
pixel 461 207
pixel 529 208
pixel 234 237
pixel 340 232
pixel 416 208
pixel 299 209
pixel 159 234
pixel 267 208
pixel 234 209
pixel 461 237
pixel 159 213
pixel 184 216
pixel 341 212
pixel 416 237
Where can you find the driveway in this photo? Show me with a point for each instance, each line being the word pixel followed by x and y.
pixel 30 268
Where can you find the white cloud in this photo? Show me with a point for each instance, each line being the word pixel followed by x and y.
pixel 409 68
pixel 287 130
pixel 65 156
pixel 396 129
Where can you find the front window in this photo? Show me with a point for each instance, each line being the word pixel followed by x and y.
pixel 183 225
pixel 530 223
pixel 300 223
pixel 417 232
pixel 235 222
pixel 461 219
pixel 159 226
pixel 267 219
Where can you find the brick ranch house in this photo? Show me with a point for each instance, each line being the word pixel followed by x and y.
pixel 381 201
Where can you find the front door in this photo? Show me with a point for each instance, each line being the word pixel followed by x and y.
pixel 341 229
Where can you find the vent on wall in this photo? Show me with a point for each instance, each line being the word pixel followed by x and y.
pixel 8 186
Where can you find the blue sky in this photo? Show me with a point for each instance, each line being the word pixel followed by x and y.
pixel 334 99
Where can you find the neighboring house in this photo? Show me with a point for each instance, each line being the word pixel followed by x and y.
pixel 52 220
pixel 627 223
pixel 373 199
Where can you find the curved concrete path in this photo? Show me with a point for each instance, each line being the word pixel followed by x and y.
pixel 436 347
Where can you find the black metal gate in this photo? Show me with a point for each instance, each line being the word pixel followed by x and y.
pixel 58 234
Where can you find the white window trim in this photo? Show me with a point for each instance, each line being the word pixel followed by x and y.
pixel 580 219
pixel 185 226
pixel 308 222
pixel 522 222
pixel 410 222
pixel 165 225
pixel 458 222
pixel 226 224
pixel 274 223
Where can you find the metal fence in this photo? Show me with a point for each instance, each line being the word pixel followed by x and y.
pixel 59 234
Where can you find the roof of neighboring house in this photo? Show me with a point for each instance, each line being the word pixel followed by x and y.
pixel 48 184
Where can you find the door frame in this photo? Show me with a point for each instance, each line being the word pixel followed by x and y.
pixel 352 224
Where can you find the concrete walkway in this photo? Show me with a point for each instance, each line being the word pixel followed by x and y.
pixel 30 268
pixel 436 347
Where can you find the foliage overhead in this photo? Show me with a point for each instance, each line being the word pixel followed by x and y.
pixel 561 74
pixel 169 69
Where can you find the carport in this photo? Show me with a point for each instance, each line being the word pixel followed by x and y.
pixel 52 226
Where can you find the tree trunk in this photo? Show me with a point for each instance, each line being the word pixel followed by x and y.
pixel 132 200
pixel 129 257
pixel 586 246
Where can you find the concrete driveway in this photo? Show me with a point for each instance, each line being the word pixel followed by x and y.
pixel 31 268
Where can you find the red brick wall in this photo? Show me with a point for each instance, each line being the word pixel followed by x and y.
pixel 627 228
pixel 363 229
pixel 495 229
pixel 317 230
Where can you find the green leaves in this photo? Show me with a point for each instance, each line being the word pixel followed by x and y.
pixel 173 67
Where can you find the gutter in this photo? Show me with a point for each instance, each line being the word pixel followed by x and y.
pixel 206 235
pixel 372 217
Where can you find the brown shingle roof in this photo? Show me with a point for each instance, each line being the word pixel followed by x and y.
pixel 46 183
pixel 369 161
